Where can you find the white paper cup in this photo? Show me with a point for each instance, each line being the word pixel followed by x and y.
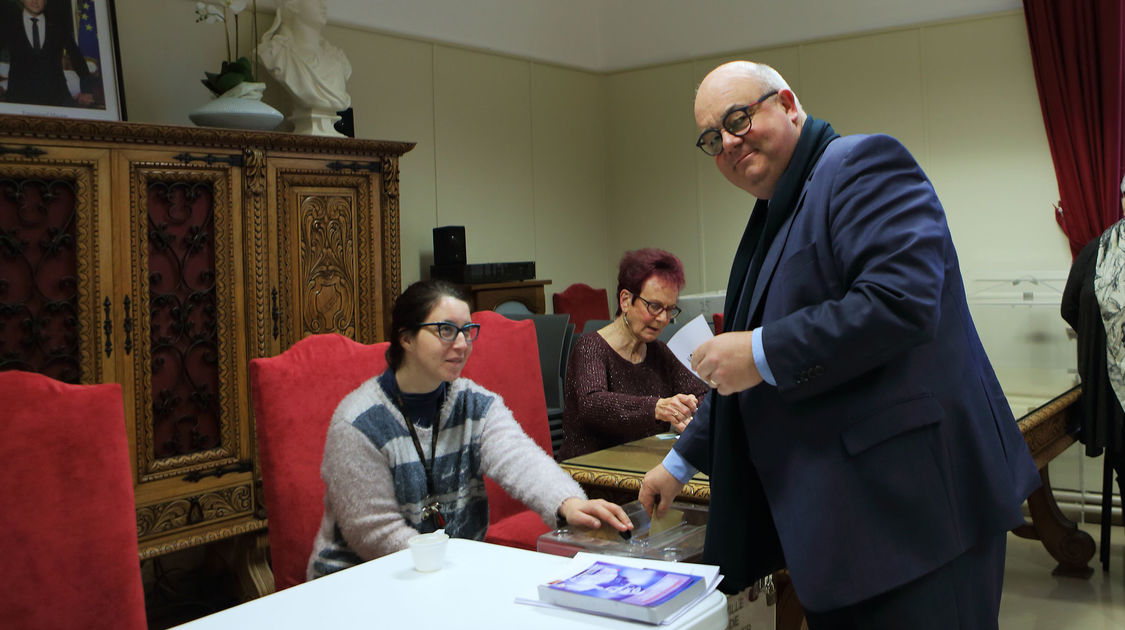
pixel 428 550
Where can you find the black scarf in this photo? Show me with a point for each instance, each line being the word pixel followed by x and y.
pixel 741 535
pixel 767 218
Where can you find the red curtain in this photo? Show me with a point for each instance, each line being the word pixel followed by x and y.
pixel 1078 54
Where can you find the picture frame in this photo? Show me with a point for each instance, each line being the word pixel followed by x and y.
pixel 43 81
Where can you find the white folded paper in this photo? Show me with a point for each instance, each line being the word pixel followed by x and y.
pixel 688 338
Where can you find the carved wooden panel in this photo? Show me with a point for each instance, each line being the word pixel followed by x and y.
pixel 330 275
pixel 50 270
pixel 198 509
pixel 184 321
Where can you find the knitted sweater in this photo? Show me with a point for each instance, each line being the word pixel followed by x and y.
pixel 610 400
pixel 375 485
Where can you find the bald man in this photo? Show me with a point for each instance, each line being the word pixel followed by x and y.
pixel 858 434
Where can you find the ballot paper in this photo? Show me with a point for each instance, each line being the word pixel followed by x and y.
pixel 688 338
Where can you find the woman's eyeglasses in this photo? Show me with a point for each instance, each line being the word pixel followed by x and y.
pixel 656 308
pixel 447 331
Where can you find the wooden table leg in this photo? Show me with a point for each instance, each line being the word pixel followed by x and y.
pixel 251 565
pixel 1070 546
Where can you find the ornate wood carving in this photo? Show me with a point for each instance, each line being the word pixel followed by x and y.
pixel 160 546
pixel 81 175
pixel 150 464
pixel 198 509
pixel 254 200
pixel 392 272
pixel 42 128
pixel 328 235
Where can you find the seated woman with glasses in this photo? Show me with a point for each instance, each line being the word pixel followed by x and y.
pixel 407 450
pixel 622 383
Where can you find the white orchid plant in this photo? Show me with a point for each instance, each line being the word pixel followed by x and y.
pixel 236 68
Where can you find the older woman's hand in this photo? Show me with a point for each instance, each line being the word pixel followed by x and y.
pixel 591 513
pixel 677 410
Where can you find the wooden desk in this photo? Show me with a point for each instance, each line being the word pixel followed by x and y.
pixel 615 473
pixel 1045 431
pixel 486 297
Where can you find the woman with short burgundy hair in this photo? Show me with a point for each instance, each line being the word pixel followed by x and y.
pixel 622 382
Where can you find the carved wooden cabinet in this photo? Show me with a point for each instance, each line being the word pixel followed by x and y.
pixel 165 258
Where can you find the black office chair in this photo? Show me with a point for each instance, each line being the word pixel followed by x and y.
pixel 551 333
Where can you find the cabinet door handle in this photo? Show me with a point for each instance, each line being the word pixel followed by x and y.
pixel 276 315
pixel 27 151
pixel 128 325
pixel 107 326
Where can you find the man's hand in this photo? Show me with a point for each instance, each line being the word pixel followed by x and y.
pixel 677 410
pixel 726 362
pixel 658 489
pixel 591 513
pixel 84 99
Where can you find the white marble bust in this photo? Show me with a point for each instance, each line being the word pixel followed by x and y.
pixel 314 71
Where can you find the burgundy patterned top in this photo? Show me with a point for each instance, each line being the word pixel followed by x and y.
pixel 610 400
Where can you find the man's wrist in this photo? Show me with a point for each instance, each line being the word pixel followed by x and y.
pixel 678 467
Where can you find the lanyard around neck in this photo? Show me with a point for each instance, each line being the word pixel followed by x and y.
pixel 427 464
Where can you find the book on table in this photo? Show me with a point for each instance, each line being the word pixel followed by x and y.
pixel 643 594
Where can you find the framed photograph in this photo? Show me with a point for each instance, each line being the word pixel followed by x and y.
pixel 60 58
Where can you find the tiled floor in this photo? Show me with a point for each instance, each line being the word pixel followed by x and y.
pixel 1035 600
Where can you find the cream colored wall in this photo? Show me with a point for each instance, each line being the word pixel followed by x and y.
pixel 569 168
pixel 961 96
pixel 511 149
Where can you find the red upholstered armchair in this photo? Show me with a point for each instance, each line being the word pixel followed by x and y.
pixel 68 530
pixel 295 395
pixel 582 302
pixel 505 360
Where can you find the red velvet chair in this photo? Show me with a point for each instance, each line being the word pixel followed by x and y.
pixel 68 530
pixel 717 318
pixel 295 394
pixel 582 302
pixel 505 360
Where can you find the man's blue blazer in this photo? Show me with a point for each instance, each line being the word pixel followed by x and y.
pixel 887 447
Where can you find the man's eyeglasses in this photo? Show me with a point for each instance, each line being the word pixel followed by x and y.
pixel 737 122
pixel 448 330
pixel 656 308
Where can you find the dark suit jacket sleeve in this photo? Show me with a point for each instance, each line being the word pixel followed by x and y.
pixel 78 62
pixel 884 282
pixel 692 444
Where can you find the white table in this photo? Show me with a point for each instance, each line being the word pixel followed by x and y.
pixel 475 589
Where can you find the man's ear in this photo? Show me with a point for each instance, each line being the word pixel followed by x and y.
pixel 788 101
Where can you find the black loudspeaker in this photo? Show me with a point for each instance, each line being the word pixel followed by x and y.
pixel 449 245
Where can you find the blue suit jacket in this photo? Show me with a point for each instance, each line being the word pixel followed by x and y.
pixel 887 447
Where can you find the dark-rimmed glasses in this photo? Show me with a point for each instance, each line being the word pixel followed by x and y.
pixel 656 308
pixel 447 331
pixel 737 122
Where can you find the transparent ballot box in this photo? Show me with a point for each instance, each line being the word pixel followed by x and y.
pixel 678 535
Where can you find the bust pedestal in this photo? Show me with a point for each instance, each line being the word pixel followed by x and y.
pixel 314 121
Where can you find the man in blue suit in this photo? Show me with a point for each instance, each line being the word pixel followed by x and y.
pixel 857 433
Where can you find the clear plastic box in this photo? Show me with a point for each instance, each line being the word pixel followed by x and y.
pixel 678 536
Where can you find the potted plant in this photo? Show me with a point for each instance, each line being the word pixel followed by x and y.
pixel 238 96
